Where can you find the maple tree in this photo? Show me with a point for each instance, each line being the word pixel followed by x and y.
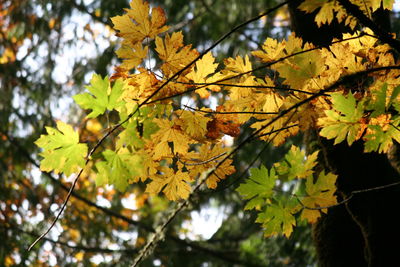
pixel 283 89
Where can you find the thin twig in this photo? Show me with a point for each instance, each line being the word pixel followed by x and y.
pixel 277 130
pixel 77 247
pixel 246 86
pixel 60 212
pixel 198 162
pixel 394 126
pixel 231 112
pixel 347 199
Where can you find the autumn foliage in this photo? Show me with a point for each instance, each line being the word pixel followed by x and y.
pixel 169 142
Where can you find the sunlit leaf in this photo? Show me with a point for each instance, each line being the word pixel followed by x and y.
pixel 258 187
pixel 102 97
pixel 319 194
pixel 62 150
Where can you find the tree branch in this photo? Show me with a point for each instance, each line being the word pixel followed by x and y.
pixel 77 247
pixel 347 199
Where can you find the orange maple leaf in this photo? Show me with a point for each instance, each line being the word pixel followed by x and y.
pixel 217 127
pixel 223 124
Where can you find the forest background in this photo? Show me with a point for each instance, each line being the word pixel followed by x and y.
pixel 49 51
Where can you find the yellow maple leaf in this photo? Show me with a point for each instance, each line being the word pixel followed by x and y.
pixel 9 261
pixel 387 4
pixel 308 115
pixel 325 14
pixel 233 67
pixel 174 54
pixel 297 70
pixel 273 101
pixel 169 132
pixel 206 158
pixel 149 165
pixel 139 86
pixel 194 124
pixel 293 44
pixel 79 256
pixel 137 23
pixel 174 185
pixel 132 56
pixel 171 89
pixel 238 64
pixel 204 68
pixel 271 50
pixel 328 10
pixel 320 194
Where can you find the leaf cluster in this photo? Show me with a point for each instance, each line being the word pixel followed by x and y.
pixel 167 145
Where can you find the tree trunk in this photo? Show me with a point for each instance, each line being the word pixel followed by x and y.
pixel 364 231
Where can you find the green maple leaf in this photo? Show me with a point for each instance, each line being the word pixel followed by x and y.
pixel 258 187
pixel 350 112
pixel 131 135
pixel 296 164
pixel 388 4
pixel 379 104
pixel 342 121
pixel 393 97
pixel 119 168
pixel 278 218
pixel 62 150
pixel 381 139
pixel 102 173
pixel 300 68
pixel 102 97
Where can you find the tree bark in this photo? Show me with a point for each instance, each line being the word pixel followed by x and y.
pixel 363 231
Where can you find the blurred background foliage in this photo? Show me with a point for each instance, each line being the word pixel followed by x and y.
pixel 48 52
